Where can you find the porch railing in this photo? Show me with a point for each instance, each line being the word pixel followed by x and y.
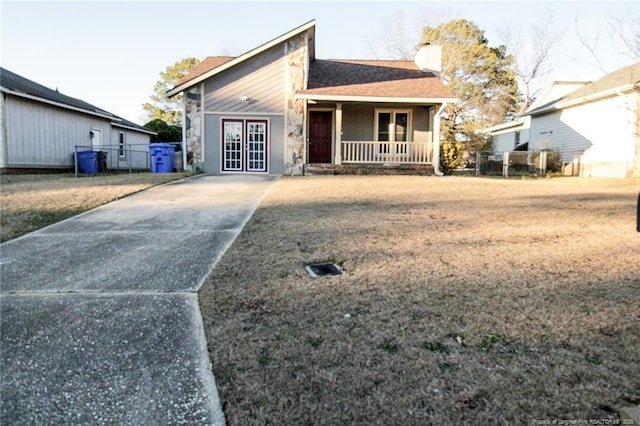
pixel 386 152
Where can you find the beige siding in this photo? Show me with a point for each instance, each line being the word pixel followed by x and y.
pixel 260 78
pixel 358 121
pixel 43 136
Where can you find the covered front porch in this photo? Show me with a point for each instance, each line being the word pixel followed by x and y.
pixel 371 135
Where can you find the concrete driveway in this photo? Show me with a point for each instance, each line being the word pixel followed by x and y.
pixel 99 314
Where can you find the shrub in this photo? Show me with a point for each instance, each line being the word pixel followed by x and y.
pixel 451 156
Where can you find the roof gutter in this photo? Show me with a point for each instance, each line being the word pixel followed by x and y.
pixel 616 91
pixel 360 98
pixel 142 130
pixel 436 141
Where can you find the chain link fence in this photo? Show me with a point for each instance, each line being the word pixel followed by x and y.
pixel 523 163
pixel 115 158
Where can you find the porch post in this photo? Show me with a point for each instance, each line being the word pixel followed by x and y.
pixel 436 141
pixel 338 138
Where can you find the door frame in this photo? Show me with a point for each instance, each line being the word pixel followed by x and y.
pixel 94 135
pixel 333 130
pixel 245 143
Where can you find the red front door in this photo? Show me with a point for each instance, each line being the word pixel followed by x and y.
pixel 319 137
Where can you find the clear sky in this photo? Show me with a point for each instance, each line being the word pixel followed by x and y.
pixel 110 53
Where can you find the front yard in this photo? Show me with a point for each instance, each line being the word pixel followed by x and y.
pixel 464 300
pixel 30 202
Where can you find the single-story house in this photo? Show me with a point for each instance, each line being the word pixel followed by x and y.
pixel 513 135
pixel 593 125
pixel 277 109
pixel 596 128
pixel 510 135
pixel 41 129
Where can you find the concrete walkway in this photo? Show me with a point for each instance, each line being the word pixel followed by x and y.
pixel 99 314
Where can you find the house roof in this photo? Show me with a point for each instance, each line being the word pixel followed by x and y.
pixel 622 80
pixel 208 64
pixel 519 123
pixel 17 85
pixel 371 80
pixel 216 66
pixel 555 90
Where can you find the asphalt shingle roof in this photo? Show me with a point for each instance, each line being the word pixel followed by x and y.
pixel 208 64
pixel 400 79
pixel 16 83
pixel 374 78
pixel 622 77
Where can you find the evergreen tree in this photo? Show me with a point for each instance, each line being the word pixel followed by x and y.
pixel 482 77
pixel 161 107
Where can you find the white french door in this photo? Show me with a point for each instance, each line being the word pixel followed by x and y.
pixel 244 145
pixel 256 146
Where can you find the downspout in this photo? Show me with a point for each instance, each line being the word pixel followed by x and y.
pixel 184 131
pixel 436 141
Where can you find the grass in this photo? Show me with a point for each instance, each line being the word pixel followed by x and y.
pixel 31 202
pixel 464 300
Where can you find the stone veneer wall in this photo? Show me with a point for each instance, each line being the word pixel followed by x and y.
pixel 295 68
pixel 193 129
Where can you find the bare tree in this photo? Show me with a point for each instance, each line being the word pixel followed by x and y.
pixel 395 40
pixel 399 37
pixel 623 29
pixel 532 48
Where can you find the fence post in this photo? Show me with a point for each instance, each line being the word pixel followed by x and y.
pixel 505 164
pixel 75 160
pixel 543 162
pixel 478 158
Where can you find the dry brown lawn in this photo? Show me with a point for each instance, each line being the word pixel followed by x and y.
pixel 30 202
pixel 464 301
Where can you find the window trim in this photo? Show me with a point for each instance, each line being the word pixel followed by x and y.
pixel 244 151
pixel 122 145
pixel 393 112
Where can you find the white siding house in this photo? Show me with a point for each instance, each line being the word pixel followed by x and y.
pixel 41 129
pixel 595 128
pixel 510 135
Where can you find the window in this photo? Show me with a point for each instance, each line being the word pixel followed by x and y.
pixel 516 139
pixel 393 126
pixel 121 145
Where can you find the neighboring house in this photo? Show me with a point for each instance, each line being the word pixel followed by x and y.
pixel 41 128
pixel 593 125
pixel 596 128
pixel 277 109
pixel 514 134
pixel 510 135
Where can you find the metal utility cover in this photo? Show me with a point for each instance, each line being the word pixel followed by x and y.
pixel 323 269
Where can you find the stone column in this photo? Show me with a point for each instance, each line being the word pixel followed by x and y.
pixel 193 129
pixel 295 60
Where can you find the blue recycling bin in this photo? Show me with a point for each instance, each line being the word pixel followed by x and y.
pixel 161 157
pixel 87 161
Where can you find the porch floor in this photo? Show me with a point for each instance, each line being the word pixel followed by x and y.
pixel 368 169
